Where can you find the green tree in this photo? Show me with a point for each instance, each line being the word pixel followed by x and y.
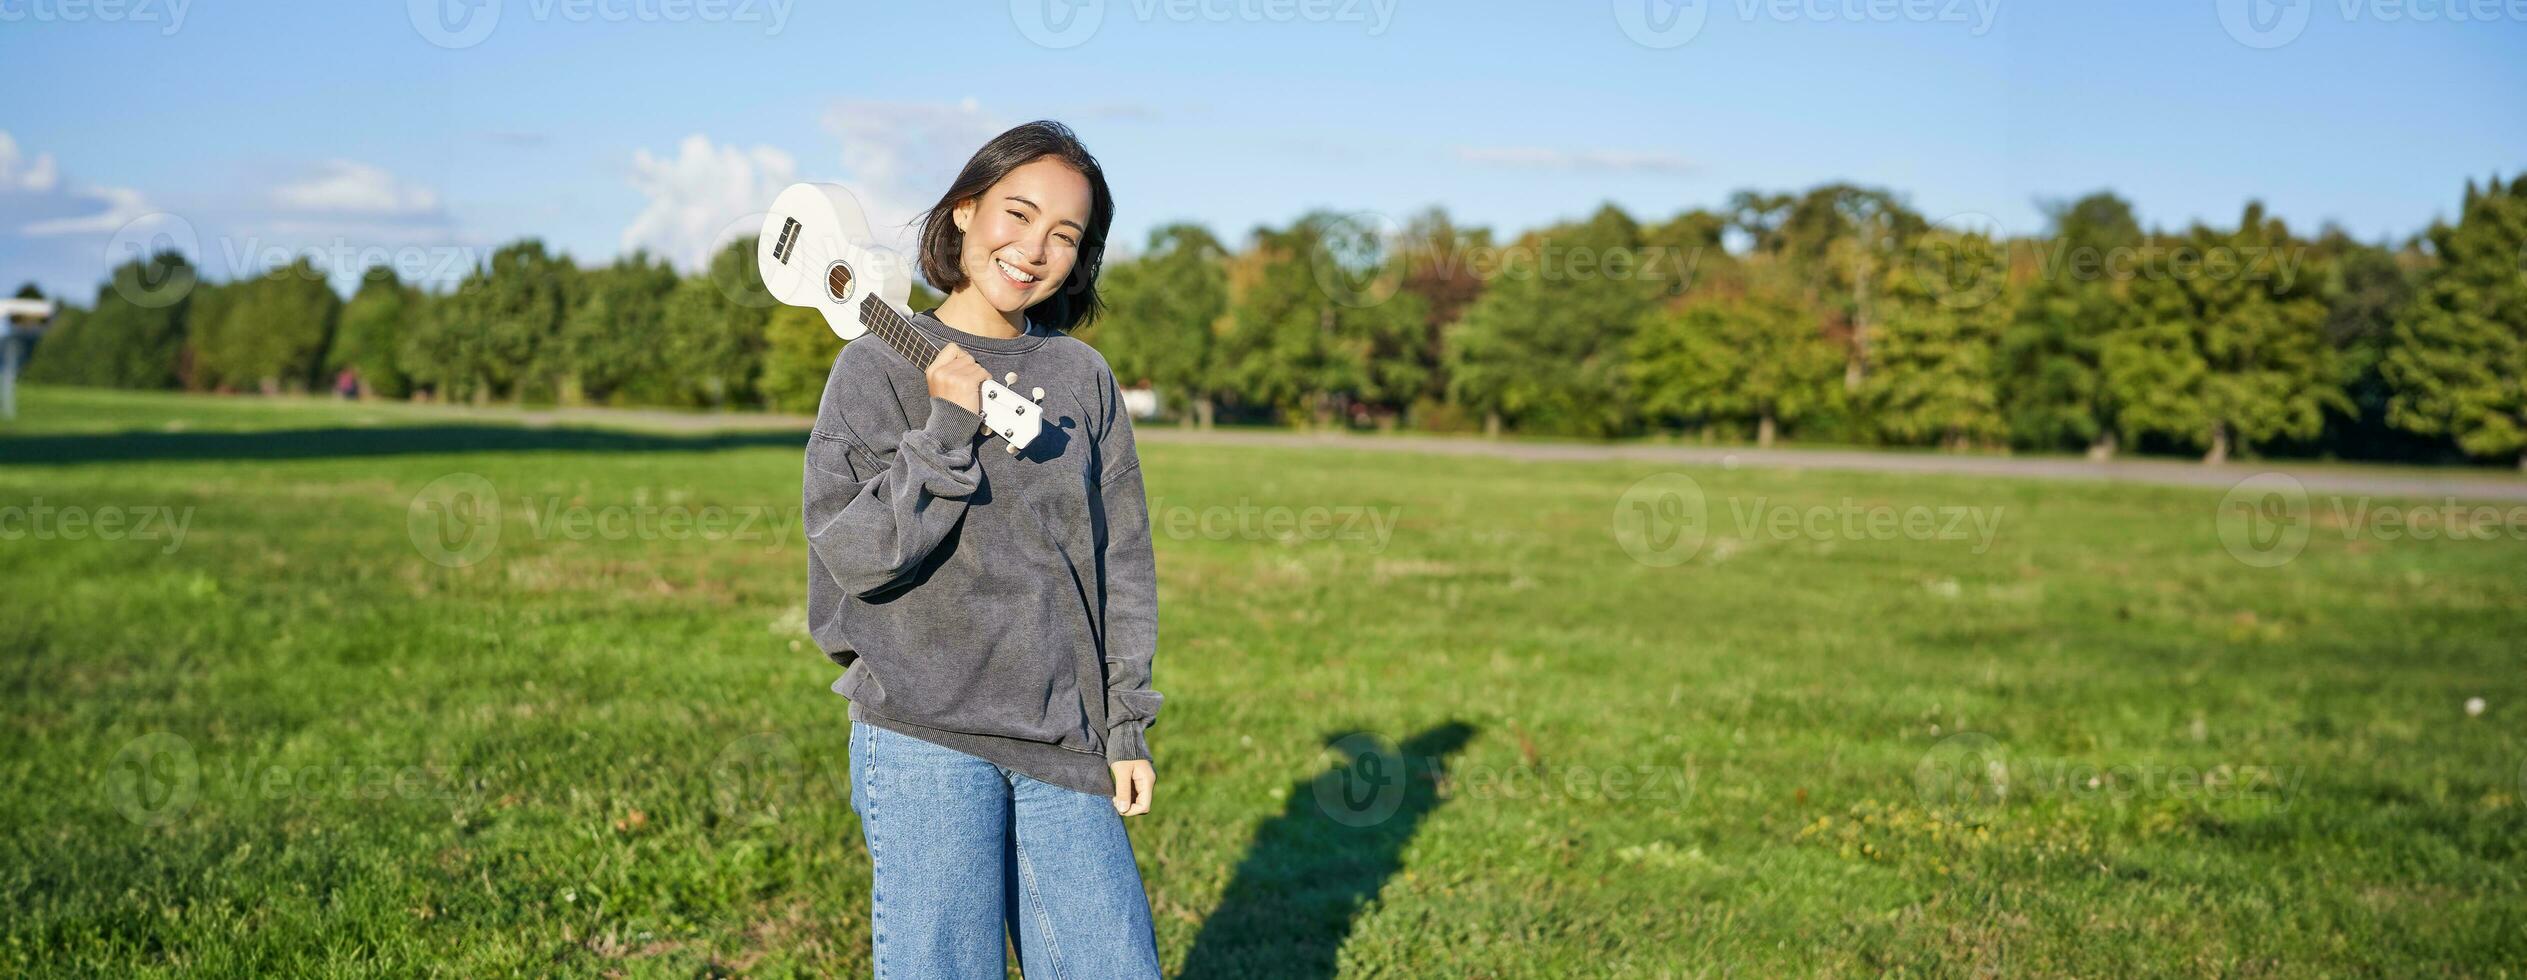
pixel 2050 357
pixel 373 326
pixel 799 351
pixel 132 337
pixel 1935 378
pixel 1543 348
pixel 2459 364
pixel 486 339
pixel 1161 310
pixel 1842 241
pixel 268 333
pixel 609 346
pixel 1755 357
pixel 1320 323
pixel 2229 345
pixel 713 344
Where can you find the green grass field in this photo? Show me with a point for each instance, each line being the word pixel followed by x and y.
pixel 1427 716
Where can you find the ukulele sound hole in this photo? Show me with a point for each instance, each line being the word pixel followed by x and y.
pixel 838 282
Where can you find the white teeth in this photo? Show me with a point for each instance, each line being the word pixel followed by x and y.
pixel 1013 273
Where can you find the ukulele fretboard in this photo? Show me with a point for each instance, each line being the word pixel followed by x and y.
pixel 881 319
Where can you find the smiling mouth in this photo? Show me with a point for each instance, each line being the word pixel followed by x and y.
pixel 1014 276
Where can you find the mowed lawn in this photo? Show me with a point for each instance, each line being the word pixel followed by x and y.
pixel 414 693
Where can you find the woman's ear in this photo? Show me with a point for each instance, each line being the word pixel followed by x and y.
pixel 963 214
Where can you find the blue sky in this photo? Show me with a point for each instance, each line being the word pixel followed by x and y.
pixel 428 132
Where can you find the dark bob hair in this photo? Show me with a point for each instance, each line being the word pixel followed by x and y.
pixel 1076 303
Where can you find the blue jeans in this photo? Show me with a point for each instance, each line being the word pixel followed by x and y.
pixel 964 853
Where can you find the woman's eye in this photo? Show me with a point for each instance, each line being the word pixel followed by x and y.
pixel 1014 213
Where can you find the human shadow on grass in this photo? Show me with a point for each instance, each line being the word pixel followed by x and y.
pixel 122 447
pixel 1312 869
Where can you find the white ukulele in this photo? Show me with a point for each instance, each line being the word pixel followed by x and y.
pixel 816 252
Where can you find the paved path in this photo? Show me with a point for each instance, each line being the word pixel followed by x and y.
pixel 2318 478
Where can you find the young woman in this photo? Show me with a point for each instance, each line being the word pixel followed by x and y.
pixel 996 614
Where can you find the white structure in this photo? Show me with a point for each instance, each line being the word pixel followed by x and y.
pixel 1141 402
pixel 21 321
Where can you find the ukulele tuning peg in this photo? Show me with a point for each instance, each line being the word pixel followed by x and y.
pixel 1013 449
pixel 1038 394
pixel 1011 379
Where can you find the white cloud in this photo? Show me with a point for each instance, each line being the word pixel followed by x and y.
pixel 1540 158
pixel 898 157
pixel 348 188
pixel 20 174
pixel 36 201
pixel 702 197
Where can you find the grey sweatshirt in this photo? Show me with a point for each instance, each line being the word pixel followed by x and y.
pixel 1002 606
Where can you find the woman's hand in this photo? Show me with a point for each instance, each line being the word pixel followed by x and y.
pixel 1134 779
pixel 957 377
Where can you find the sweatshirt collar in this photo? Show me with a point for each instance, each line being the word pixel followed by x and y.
pixel 939 329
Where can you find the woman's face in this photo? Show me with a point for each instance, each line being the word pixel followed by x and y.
pixel 1023 235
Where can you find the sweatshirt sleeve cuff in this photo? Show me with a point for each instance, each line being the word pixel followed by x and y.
pixel 951 424
pixel 1127 741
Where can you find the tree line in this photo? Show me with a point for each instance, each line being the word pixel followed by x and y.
pixel 1834 314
